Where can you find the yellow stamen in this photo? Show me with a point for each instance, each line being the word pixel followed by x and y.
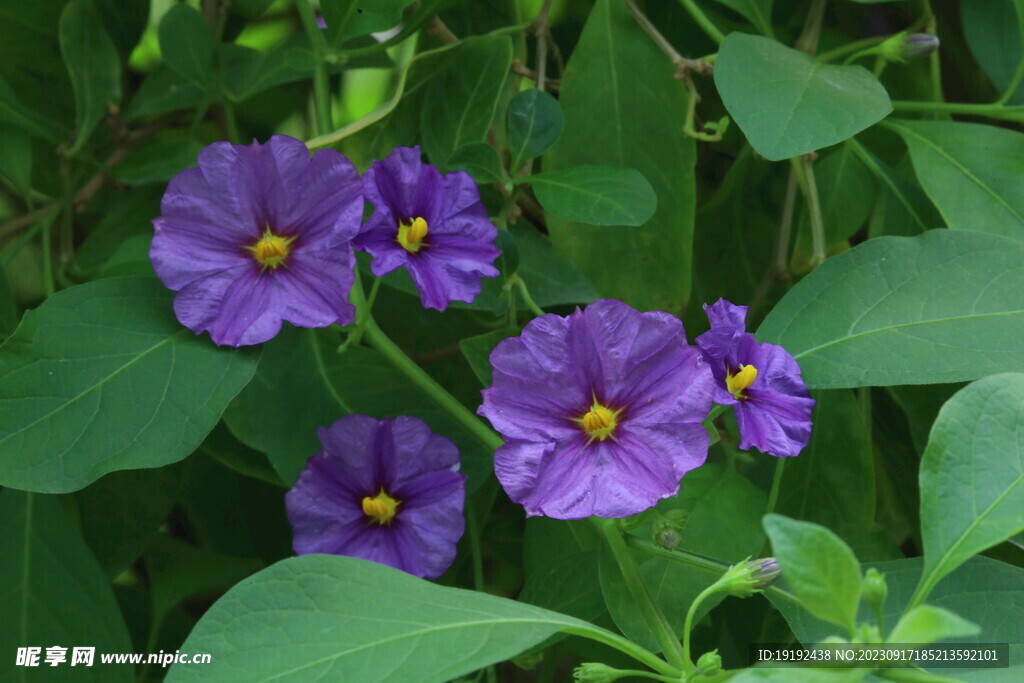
pixel 411 235
pixel 271 250
pixel 741 380
pixel 381 508
pixel 599 422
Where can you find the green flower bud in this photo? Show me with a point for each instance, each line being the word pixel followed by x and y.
pixel 874 590
pixel 666 537
pixel 595 672
pixel 904 46
pixel 709 664
pixel 748 577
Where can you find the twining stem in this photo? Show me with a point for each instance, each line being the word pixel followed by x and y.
pixel 688 624
pixel 805 171
pixel 773 494
pixel 516 281
pixel 682 64
pixel 540 34
pixel 702 20
pixel 1018 75
pixel 321 87
pixel 663 633
pixel 785 226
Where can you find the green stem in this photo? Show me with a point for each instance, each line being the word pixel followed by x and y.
pixel 634 582
pixel 849 48
pixel 230 121
pixel 376 338
pixel 994 111
pixel 628 647
pixel 48 286
pixel 1018 75
pixel 517 281
pixel 688 625
pixel 702 20
pixel 474 542
pixel 818 254
pixel 773 494
pixel 321 86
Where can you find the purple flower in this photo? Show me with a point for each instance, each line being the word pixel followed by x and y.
pixel 761 381
pixel 388 491
pixel 600 411
pixel 433 224
pixel 257 235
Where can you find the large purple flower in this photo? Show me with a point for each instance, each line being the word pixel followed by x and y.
pixel 257 235
pixel 389 491
pixel 762 382
pixel 433 224
pixel 600 411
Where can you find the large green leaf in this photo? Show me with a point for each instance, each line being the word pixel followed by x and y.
pixel 787 103
pixel 186 42
pixel 93 64
pixel 100 378
pixel 552 279
pixel 972 475
pixel 994 34
pixel 971 171
pixel 460 104
pixel 832 483
pixel 598 195
pixel 338 618
pixel 819 567
pixel 310 385
pixel 54 593
pixel 944 306
pixel 623 107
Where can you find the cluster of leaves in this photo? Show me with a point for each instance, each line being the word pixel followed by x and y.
pixel 879 240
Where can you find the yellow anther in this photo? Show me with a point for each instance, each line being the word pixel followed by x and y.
pixel 271 250
pixel 381 508
pixel 599 422
pixel 741 380
pixel 411 234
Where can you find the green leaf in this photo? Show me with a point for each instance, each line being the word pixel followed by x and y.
pixel 121 512
pixel 478 159
pixel 533 123
pixel 311 385
pixel 93 64
pixel 819 567
pixel 718 512
pixel 186 43
pixel 787 103
pixel 757 12
pixel 972 475
pixel 927 624
pixel 623 107
pixel 551 277
pixel 164 90
pixel 338 15
pixel 331 617
pixel 101 378
pixel 54 592
pixel 902 208
pixel 944 306
pixel 477 351
pixel 16 158
pixel 12 111
pixel 971 171
pixel 994 34
pixel 832 483
pixel 460 105
pixel 598 195
pixel 158 160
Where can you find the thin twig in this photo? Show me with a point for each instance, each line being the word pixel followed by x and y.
pixel 684 65
pixel 517 67
pixel 440 30
pixel 539 30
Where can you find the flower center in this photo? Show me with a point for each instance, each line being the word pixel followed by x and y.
pixel 736 383
pixel 599 422
pixel 381 508
pixel 271 250
pixel 412 234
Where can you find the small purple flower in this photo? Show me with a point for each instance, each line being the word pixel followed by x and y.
pixel 600 411
pixel 389 491
pixel 761 381
pixel 433 224
pixel 257 235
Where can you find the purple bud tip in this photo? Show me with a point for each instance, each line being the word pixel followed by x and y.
pixel 918 45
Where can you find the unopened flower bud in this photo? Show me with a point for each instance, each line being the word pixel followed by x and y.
pixel 709 664
pixel 874 590
pixel 749 576
pixel 904 46
pixel 666 537
pixel 595 672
